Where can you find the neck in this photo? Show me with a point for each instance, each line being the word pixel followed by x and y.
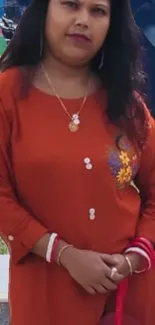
pixel 59 71
pixel 68 81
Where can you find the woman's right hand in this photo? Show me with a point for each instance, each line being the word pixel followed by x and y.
pixel 90 269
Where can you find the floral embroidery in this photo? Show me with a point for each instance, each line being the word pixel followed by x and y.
pixel 123 162
pixel 124 175
pixel 124 158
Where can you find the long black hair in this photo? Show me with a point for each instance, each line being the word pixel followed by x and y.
pixel 121 74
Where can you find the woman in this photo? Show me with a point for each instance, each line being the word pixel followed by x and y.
pixel 77 145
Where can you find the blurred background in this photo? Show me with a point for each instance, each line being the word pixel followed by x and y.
pixel 144 14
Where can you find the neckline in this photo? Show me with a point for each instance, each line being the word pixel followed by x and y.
pixel 42 93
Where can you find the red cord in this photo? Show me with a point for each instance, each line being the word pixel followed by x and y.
pixel 122 290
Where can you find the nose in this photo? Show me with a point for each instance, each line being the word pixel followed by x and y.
pixel 82 18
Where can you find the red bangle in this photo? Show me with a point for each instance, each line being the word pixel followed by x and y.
pixel 55 244
pixel 146 246
pixel 147 243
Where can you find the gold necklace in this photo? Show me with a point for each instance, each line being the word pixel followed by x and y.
pixel 74 118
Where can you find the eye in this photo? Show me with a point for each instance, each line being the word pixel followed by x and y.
pixel 98 11
pixel 70 4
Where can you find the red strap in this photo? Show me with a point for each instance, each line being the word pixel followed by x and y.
pixel 122 290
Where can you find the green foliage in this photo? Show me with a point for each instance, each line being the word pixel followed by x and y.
pixel 3 247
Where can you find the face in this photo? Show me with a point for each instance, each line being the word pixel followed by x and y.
pixel 76 29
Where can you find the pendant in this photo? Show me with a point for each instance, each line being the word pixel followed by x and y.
pixel 74 124
pixel 73 127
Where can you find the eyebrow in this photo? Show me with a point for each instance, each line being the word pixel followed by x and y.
pixel 103 3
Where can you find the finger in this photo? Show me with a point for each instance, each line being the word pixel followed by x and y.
pixel 108 284
pixel 108 271
pixel 113 272
pixel 100 288
pixel 90 290
pixel 109 259
pixel 115 276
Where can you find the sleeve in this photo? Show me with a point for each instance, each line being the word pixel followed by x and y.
pixel 20 230
pixel 145 181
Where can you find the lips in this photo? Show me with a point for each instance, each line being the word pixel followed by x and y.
pixel 80 37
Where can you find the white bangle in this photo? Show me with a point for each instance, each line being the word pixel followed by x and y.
pixel 50 247
pixel 141 252
pixel 129 264
pixel 61 252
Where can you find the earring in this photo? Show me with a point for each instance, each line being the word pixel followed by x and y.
pixel 41 45
pixel 102 61
pixel 41 40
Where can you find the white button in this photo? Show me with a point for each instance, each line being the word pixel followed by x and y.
pixel 92 216
pixel 11 238
pixel 87 160
pixel 89 166
pixel 92 211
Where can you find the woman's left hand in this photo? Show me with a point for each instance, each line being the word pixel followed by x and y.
pixel 137 263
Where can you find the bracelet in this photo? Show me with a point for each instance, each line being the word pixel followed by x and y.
pixel 141 271
pixel 142 253
pixel 56 241
pixel 146 246
pixel 61 252
pixel 129 264
pixel 50 247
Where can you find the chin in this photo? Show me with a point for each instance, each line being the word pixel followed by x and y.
pixel 76 60
pixel 76 56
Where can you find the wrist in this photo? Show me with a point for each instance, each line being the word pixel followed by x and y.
pixel 67 256
pixel 144 249
pixel 54 249
pixel 61 244
pixel 40 248
pixel 137 262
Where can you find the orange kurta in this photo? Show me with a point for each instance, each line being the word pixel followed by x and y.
pixel 45 185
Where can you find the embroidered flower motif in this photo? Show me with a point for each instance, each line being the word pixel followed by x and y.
pixel 124 175
pixel 123 162
pixel 114 163
pixel 124 158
